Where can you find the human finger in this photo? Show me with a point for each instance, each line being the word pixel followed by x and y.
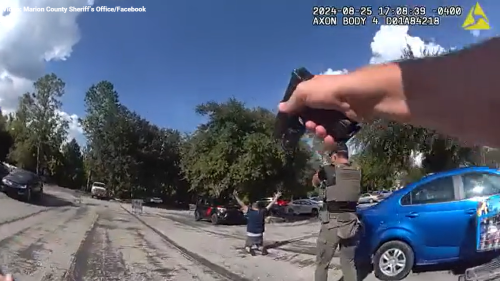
pixel 328 143
pixel 296 102
pixel 320 132
pixel 311 126
pixel 7 277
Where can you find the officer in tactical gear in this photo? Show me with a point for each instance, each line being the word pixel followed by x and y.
pixel 339 184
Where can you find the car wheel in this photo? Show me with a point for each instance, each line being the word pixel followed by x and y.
pixel 214 219
pixel 372 201
pixel 393 261
pixel 291 211
pixel 197 216
pixel 314 212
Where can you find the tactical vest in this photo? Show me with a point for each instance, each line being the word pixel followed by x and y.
pixel 346 186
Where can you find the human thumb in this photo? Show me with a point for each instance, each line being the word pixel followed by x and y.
pixel 9 277
pixel 292 105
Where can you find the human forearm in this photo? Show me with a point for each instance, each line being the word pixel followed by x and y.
pixel 240 202
pixel 455 94
pixel 271 203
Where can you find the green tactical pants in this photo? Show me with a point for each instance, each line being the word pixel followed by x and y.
pixel 341 231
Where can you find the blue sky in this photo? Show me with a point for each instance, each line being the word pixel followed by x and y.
pixel 182 53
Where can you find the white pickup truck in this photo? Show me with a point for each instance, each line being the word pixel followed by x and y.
pixel 99 191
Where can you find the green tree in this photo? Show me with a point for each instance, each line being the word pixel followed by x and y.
pixel 72 173
pixel 234 149
pixel 134 157
pixel 6 138
pixel 38 128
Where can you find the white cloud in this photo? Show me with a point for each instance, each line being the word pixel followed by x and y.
pixel 28 40
pixel 330 71
pixel 390 41
pixel 75 128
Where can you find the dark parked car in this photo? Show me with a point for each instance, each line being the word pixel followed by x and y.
pixel 219 211
pixel 23 183
pixel 4 170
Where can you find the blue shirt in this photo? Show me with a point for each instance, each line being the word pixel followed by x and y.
pixel 255 221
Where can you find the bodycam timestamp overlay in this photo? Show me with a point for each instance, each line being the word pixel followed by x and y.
pixel 383 15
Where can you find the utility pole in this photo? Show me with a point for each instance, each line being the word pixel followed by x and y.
pixel 38 158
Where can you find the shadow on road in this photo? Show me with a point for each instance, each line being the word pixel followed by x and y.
pixel 297 218
pixel 46 200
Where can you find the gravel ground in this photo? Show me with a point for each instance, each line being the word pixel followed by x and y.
pixel 62 239
pixel 95 240
pixel 296 243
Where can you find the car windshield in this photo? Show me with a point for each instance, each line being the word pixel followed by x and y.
pixel 225 202
pixel 99 184
pixel 20 176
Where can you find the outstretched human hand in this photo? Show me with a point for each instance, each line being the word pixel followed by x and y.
pixel 353 94
pixel 277 195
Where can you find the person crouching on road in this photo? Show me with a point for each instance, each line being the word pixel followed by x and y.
pixel 255 224
pixel 339 222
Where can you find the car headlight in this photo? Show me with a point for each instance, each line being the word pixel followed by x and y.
pixel 221 209
pixel 5 181
pixel 23 186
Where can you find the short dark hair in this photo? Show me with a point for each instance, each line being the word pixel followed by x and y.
pixel 343 154
pixel 341 150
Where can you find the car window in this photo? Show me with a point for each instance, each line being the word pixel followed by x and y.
pixel 298 202
pixel 21 176
pixel 480 184
pixel 436 191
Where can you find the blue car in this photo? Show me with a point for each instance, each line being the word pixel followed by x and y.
pixel 428 222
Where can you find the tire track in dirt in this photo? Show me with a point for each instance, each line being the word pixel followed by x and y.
pixel 9 221
pixel 31 249
pixel 303 249
pixel 118 247
pixel 211 268
pixel 294 252
pixel 95 259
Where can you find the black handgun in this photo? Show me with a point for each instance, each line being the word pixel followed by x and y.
pixel 290 128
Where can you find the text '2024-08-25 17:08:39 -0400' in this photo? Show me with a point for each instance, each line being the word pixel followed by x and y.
pixel 382 15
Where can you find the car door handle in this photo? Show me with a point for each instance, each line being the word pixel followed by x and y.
pixel 412 215
pixel 470 211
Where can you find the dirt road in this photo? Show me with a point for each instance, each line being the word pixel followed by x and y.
pixel 61 239
pixel 94 240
